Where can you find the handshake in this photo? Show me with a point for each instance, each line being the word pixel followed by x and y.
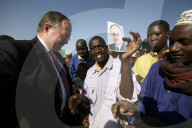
pixel 80 104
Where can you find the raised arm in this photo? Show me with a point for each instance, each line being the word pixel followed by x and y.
pixel 126 86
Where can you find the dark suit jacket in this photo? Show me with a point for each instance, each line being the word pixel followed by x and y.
pixel 12 56
pixel 38 94
pixel 113 46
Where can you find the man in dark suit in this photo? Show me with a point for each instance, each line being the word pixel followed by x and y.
pixel 118 44
pixel 32 88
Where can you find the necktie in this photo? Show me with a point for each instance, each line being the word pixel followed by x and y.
pixel 117 49
pixel 62 73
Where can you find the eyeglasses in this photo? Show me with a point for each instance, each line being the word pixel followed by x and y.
pixel 63 36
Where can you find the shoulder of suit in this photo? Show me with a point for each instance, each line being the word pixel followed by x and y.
pixel 13 46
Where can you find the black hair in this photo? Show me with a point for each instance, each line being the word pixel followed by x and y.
pixel 97 38
pixel 164 23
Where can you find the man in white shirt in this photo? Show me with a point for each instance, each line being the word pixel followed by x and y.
pixel 106 80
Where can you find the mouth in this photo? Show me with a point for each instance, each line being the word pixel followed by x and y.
pixel 99 56
pixel 176 56
pixel 153 44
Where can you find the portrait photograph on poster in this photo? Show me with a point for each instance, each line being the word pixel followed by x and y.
pixel 115 34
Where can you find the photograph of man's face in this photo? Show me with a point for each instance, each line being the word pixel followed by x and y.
pixel 115 34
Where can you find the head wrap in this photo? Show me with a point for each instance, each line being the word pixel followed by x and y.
pixel 185 18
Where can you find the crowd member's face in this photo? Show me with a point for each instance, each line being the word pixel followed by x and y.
pixel 138 54
pixel 82 50
pixel 181 44
pixel 67 62
pixel 157 37
pixel 98 50
pixel 144 50
pixel 59 36
pixel 116 34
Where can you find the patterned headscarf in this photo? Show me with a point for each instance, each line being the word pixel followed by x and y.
pixel 185 18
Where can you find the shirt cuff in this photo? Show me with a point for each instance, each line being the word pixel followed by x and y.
pixel 136 91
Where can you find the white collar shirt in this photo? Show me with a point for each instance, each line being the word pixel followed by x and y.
pixel 102 90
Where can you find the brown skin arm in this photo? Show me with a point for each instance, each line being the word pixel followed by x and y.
pixel 126 86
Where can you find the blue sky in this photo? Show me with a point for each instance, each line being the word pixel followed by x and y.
pixel 19 18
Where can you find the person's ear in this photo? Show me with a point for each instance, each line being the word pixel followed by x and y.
pixel 46 27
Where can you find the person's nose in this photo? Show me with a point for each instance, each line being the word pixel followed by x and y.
pixel 175 47
pixel 97 50
pixel 153 37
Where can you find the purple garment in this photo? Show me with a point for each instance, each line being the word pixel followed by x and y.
pixel 75 61
pixel 161 102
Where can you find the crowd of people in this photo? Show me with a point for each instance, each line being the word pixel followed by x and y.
pixel 147 85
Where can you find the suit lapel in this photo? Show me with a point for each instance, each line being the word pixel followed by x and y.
pixel 122 47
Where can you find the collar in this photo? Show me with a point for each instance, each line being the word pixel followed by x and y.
pixel 154 54
pixel 108 65
pixel 79 57
pixel 44 44
pixel 99 68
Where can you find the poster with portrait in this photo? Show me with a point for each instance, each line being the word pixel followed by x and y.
pixel 115 34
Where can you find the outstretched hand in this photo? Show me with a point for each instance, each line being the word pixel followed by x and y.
pixel 79 104
pixel 132 46
pixel 124 108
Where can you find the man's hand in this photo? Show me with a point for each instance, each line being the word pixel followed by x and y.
pixel 85 122
pixel 132 46
pixel 124 108
pixel 79 104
